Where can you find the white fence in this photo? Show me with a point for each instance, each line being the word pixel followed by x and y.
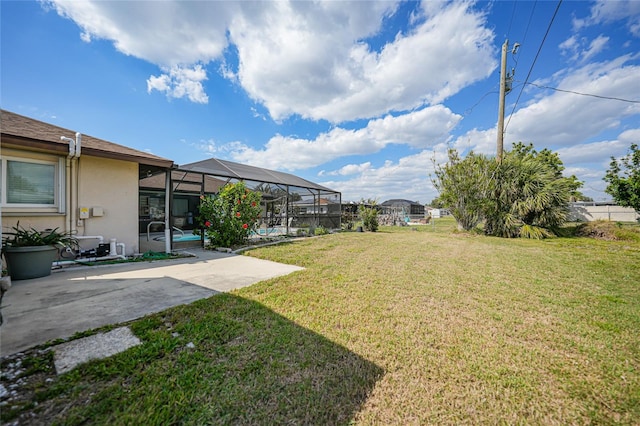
pixel 586 213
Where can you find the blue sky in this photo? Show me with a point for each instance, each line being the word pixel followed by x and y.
pixel 363 97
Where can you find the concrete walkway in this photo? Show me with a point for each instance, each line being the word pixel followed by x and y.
pixel 82 298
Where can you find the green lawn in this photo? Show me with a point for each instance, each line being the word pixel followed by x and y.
pixel 404 326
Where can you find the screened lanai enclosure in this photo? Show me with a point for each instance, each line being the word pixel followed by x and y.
pixel 290 205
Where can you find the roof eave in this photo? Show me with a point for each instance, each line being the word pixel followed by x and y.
pixel 21 142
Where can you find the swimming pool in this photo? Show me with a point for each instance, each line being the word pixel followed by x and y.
pixel 260 232
pixel 177 238
pixel 267 231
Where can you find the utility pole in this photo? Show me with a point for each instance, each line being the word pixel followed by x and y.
pixel 503 93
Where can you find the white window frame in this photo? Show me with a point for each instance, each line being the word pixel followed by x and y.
pixel 59 185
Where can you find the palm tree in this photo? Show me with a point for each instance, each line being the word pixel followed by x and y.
pixel 527 198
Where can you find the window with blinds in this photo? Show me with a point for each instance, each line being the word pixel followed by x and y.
pixel 30 183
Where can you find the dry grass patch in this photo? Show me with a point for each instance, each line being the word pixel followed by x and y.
pixel 608 231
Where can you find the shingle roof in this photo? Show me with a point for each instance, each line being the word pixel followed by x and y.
pixel 216 167
pixel 21 131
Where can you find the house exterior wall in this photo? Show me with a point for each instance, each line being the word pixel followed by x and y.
pixel 113 186
pixel 101 182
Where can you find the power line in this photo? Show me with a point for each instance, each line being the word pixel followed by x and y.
pixel 513 12
pixel 526 31
pixel 524 38
pixel 470 110
pixel 534 62
pixel 584 94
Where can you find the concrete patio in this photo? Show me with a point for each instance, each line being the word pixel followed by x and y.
pixel 77 299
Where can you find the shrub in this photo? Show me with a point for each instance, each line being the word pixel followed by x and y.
pixel 229 216
pixel 608 231
pixel 623 178
pixel 321 230
pixel 369 216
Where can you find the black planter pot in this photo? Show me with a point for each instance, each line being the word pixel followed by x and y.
pixel 24 263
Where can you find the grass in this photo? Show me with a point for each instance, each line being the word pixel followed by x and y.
pixel 402 326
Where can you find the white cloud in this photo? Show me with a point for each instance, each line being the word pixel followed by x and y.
pixel 166 33
pixel 596 46
pixel 408 178
pixel 211 147
pixel 419 129
pixel 587 161
pixel 314 63
pixel 562 119
pixel 578 50
pixel 592 153
pixel 179 82
pixel 349 169
pixel 569 45
pixel 392 180
pixel 630 136
pixel 606 11
pixel 305 58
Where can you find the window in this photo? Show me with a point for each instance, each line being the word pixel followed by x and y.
pixel 32 183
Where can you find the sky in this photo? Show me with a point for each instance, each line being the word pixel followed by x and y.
pixel 364 97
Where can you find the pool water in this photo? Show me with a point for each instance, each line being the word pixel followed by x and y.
pixel 180 238
pixel 262 231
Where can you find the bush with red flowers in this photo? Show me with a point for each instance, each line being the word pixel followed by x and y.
pixel 229 216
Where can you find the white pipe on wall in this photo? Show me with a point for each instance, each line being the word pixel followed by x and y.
pixel 100 238
pixel 69 183
pixel 72 172
pixel 72 146
pixel 76 151
pixel 67 196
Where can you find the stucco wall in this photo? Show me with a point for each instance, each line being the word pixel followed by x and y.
pixel 113 186
pixel 612 213
pixel 110 184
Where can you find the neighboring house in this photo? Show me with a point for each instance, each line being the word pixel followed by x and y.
pixel 320 210
pixel 399 210
pixel 55 178
pixel 406 207
pixel 437 213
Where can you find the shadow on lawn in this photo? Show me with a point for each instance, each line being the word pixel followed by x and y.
pixel 223 360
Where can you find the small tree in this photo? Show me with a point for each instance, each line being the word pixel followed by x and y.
pixel 369 215
pixel 462 187
pixel 229 216
pixel 623 178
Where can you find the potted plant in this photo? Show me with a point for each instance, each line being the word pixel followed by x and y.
pixel 29 253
